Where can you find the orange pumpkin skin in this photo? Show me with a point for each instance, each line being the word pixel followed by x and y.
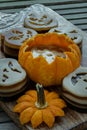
pixel 38 69
pixel 44 107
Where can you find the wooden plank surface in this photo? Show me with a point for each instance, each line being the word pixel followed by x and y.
pixel 6 122
pixel 72 121
pixel 79 120
pixel 7 126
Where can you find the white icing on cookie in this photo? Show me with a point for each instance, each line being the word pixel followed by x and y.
pixel 17 36
pixel 8 21
pixel 39 18
pixel 75 86
pixel 70 31
pixel 10 72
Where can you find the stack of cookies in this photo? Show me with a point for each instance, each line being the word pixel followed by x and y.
pixel 13 39
pixel 74 89
pixel 38 19
pixel 13 78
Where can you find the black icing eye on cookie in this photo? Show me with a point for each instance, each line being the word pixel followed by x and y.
pixel 74 88
pixel 13 78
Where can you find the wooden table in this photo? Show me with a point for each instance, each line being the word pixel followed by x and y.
pixel 74 11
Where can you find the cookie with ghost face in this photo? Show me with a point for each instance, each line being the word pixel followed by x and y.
pixel 74 88
pixel 13 78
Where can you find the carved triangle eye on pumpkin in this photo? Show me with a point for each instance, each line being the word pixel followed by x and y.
pixel 49 57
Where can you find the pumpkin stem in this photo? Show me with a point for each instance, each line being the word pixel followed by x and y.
pixel 41 102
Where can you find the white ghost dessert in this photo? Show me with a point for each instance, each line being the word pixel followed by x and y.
pixel 49 55
pixel 74 88
pixel 13 78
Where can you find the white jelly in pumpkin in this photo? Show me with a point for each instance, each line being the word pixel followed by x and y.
pixel 49 55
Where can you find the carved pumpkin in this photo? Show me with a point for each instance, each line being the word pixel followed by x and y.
pixel 49 57
pixel 38 107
